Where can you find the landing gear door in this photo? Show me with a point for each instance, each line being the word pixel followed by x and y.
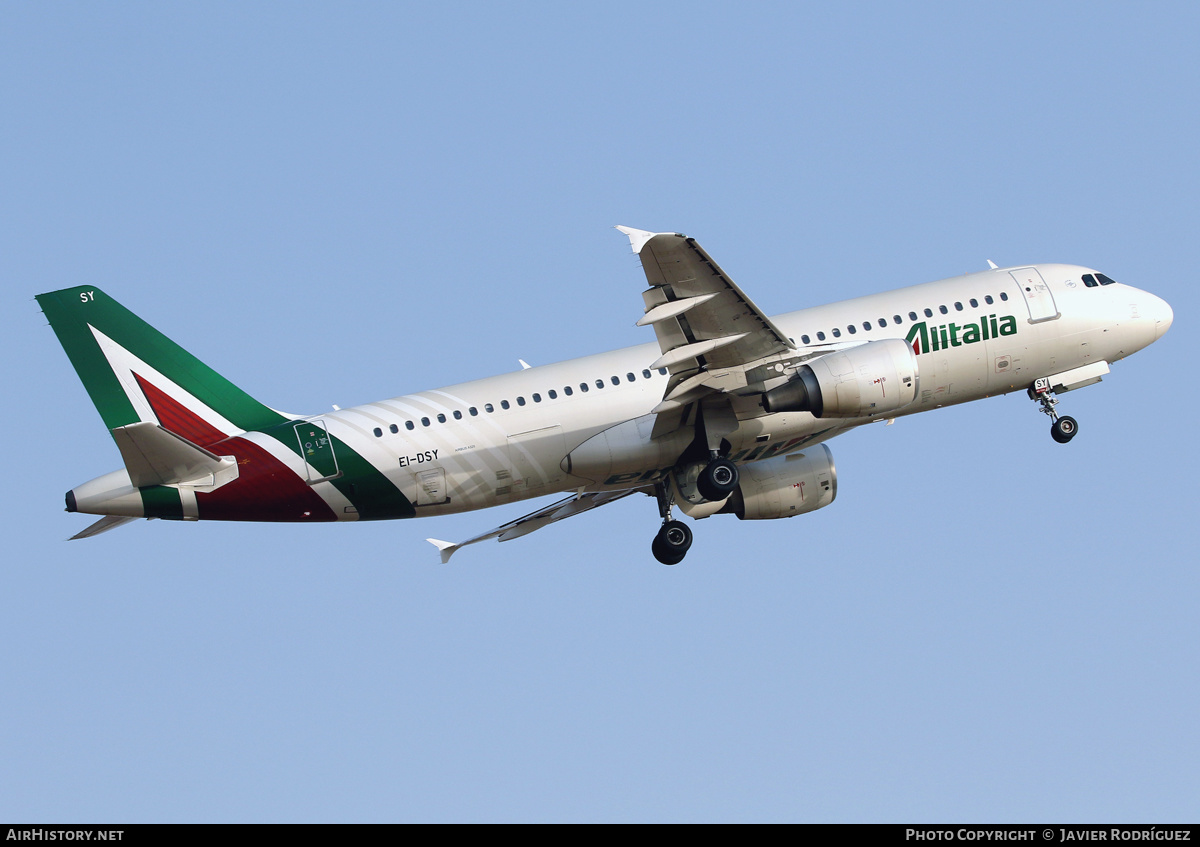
pixel 316 448
pixel 1037 294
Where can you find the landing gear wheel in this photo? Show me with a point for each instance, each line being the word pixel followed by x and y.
pixel 718 480
pixel 1063 429
pixel 672 542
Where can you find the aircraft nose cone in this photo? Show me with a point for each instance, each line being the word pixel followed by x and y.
pixel 1160 312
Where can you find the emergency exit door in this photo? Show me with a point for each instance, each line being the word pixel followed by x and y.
pixel 316 448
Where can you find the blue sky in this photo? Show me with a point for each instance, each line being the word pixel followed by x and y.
pixel 338 204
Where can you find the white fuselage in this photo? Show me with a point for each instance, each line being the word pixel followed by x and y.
pixel 505 438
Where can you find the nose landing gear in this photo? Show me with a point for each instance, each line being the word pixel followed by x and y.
pixel 1062 429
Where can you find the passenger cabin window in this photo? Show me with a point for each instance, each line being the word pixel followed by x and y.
pixel 1003 295
pixel 457 415
pixel 473 412
pixel 974 303
pixel 378 432
pixel 537 398
pixel 441 418
pixel 646 373
pixel 409 425
pixel 504 404
pixel 866 326
pixel 394 429
pixel 929 313
pixel 943 310
pixel 958 307
pixel 424 421
pixel 583 386
pixel 837 333
pixel 631 377
pixel 804 339
pixel 662 371
pixel 912 316
pixel 520 401
pixel 489 408
pixel 852 328
pixel 896 319
pixel 552 394
pixel 615 380
pixel 820 336
pixel 988 299
pixel 568 390
pixel 599 383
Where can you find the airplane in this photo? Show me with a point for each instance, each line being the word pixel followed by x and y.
pixel 728 413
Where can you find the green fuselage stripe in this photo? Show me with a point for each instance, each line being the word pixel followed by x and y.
pixel 375 497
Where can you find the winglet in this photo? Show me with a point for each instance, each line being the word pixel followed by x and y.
pixel 639 237
pixel 446 548
pixel 992 265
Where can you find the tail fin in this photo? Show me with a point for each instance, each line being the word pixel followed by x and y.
pixel 134 373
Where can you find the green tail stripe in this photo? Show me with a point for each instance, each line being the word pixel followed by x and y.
pixel 71 310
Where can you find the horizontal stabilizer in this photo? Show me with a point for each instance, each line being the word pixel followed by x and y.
pixel 103 525
pixel 155 456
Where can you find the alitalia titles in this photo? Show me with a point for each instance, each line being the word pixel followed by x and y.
pixel 926 339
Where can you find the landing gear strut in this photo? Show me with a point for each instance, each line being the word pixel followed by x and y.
pixel 673 540
pixel 1062 429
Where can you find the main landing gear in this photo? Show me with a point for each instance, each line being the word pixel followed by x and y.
pixel 715 483
pixel 1062 429
pixel 675 538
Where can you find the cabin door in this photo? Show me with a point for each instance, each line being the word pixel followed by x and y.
pixel 1037 295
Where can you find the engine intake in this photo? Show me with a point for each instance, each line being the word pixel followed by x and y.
pixel 876 377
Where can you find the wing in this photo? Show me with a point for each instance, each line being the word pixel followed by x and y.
pixel 708 330
pixel 556 511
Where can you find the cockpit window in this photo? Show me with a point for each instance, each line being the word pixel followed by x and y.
pixel 1092 280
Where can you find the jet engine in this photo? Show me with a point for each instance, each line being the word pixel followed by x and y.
pixel 785 486
pixel 876 377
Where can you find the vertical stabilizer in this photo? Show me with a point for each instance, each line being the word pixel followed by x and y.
pixel 135 374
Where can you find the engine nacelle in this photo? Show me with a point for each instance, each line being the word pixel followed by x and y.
pixel 876 377
pixel 785 486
